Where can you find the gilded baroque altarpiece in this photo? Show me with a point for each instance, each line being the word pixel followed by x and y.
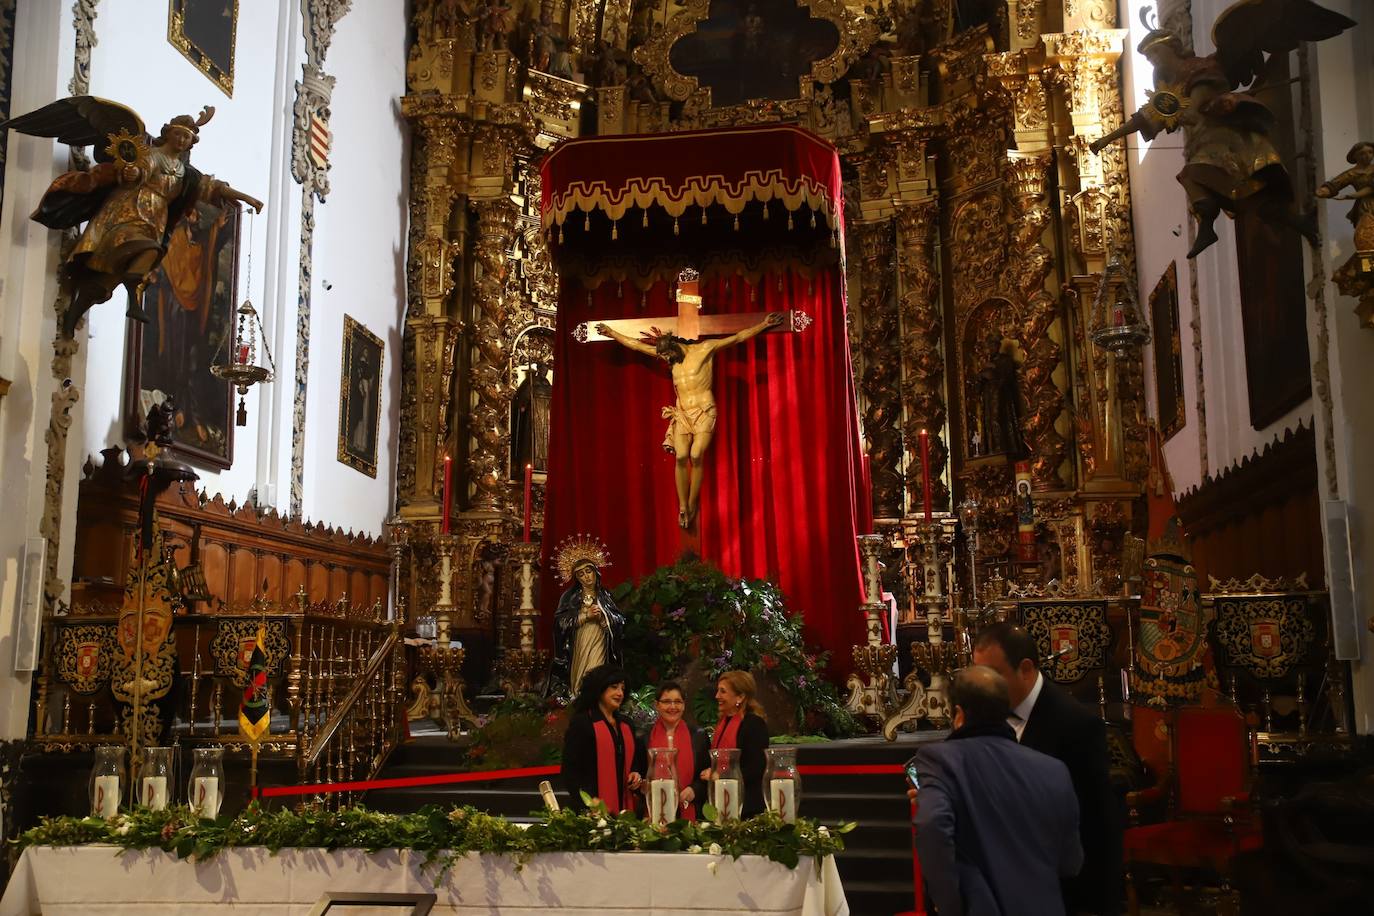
pixel 975 212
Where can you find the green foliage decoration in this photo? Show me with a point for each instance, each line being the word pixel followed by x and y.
pixel 692 612
pixel 442 835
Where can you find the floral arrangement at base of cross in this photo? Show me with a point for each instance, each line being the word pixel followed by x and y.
pixel 691 613
pixel 442 835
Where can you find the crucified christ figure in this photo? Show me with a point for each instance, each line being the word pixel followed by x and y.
pixel 692 420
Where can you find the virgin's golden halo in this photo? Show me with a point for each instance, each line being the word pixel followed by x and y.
pixel 576 548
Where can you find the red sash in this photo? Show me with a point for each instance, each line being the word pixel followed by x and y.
pixel 727 733
pixel 610 786
pixel 686 763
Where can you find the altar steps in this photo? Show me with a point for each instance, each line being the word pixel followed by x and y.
pixel 876 863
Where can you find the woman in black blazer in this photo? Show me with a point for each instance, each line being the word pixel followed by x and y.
pixel 742 726
pixel 670 729
pixel 599 746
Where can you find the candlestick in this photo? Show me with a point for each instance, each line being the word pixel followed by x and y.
pixel 529 485
pixel 925 472
pixel 448 495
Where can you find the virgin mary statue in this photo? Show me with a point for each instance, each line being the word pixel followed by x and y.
pixel 587 625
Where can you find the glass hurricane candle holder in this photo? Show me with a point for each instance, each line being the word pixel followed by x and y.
pixel 107 780
pixel 155 777
pixel 205 790
pixel 663 791
pixel 726 786
pixel 782 783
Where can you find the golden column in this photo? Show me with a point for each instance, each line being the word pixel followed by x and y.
pixel 433 325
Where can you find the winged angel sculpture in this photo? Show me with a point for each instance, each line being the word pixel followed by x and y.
pixel 130 200
pixel 1231 163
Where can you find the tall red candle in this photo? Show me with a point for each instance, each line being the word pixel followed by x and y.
pixel 448 493
pixel 529 485
pixel 925 471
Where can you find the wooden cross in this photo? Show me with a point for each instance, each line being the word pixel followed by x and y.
pixel 689 324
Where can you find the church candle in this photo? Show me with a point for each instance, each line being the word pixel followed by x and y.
pixel 782 794
pixel 106 796
pixel 925 472
pixel 529 486
pixel 243 354
pixel 726 792
pixel 155 792
pixel 206 801
pixel 662 801
pixel 448 504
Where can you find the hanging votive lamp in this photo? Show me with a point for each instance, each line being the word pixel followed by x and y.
pixel 1118 324
pixel 241 369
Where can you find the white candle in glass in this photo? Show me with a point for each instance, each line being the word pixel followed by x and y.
pixel 783 799
pixel 106 796
pixel 726 796
pixel 155 792
pixel 206 801
pixel 662 801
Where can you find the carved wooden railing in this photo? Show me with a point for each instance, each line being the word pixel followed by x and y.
pixel 350 736
pixel 335 679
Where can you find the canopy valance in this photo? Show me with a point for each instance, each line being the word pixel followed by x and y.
pixel 691 196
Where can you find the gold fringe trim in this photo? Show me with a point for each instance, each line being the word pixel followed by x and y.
pixel 699 191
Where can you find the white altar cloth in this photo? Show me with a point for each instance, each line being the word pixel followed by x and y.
pixel 90 880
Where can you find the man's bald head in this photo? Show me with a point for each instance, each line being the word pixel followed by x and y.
pixel 982 694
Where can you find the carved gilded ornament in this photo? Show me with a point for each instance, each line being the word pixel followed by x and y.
pixel 857 35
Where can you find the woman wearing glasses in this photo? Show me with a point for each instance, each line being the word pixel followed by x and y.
pixel 670 730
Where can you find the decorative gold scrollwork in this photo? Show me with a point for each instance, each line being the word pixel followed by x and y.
pixel 232 645
pixel 84 654
pixel 1266 636
pixel 1074 636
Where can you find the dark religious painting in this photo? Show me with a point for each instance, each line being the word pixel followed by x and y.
pixel 205 31
pixel 360 397
pixel 753 49
pixel 1273 296
pixel 6 74
pixel 1168 346
pixel 190 306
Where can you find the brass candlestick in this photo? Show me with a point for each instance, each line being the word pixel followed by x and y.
pixel 523 668
pixel 934 540
pixel 871 691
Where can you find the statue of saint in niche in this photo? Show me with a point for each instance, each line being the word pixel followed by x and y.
pixel 529 421
pixel 999 395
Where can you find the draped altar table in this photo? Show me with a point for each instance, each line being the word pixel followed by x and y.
pixel 74 881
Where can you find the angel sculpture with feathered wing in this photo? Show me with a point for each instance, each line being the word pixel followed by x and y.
pixel 1230 161
pixel 130 200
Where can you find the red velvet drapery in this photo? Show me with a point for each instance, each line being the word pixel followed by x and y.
pixel 781 495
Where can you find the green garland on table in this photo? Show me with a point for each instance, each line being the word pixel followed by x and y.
pixel 443 835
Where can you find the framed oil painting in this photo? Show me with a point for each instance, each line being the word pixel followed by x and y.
pixel 190 306
pixel 360 397
pixel 205 31
pixel 1168 353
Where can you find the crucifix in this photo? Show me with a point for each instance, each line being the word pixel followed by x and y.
pixel 688 343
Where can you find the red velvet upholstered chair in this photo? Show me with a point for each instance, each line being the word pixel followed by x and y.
pixel 1207 791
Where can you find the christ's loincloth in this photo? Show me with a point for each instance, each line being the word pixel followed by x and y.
pixel 687 421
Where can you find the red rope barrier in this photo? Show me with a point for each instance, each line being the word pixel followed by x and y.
pixel 402 782
pixel 406 782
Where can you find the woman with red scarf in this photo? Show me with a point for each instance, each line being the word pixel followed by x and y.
pixel 742 726
pixel 669 730
pixel 599 746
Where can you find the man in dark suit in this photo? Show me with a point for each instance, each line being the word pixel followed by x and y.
pixel 996 822
pixel 1047 719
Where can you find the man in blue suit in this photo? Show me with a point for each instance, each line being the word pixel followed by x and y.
pixel 996 822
